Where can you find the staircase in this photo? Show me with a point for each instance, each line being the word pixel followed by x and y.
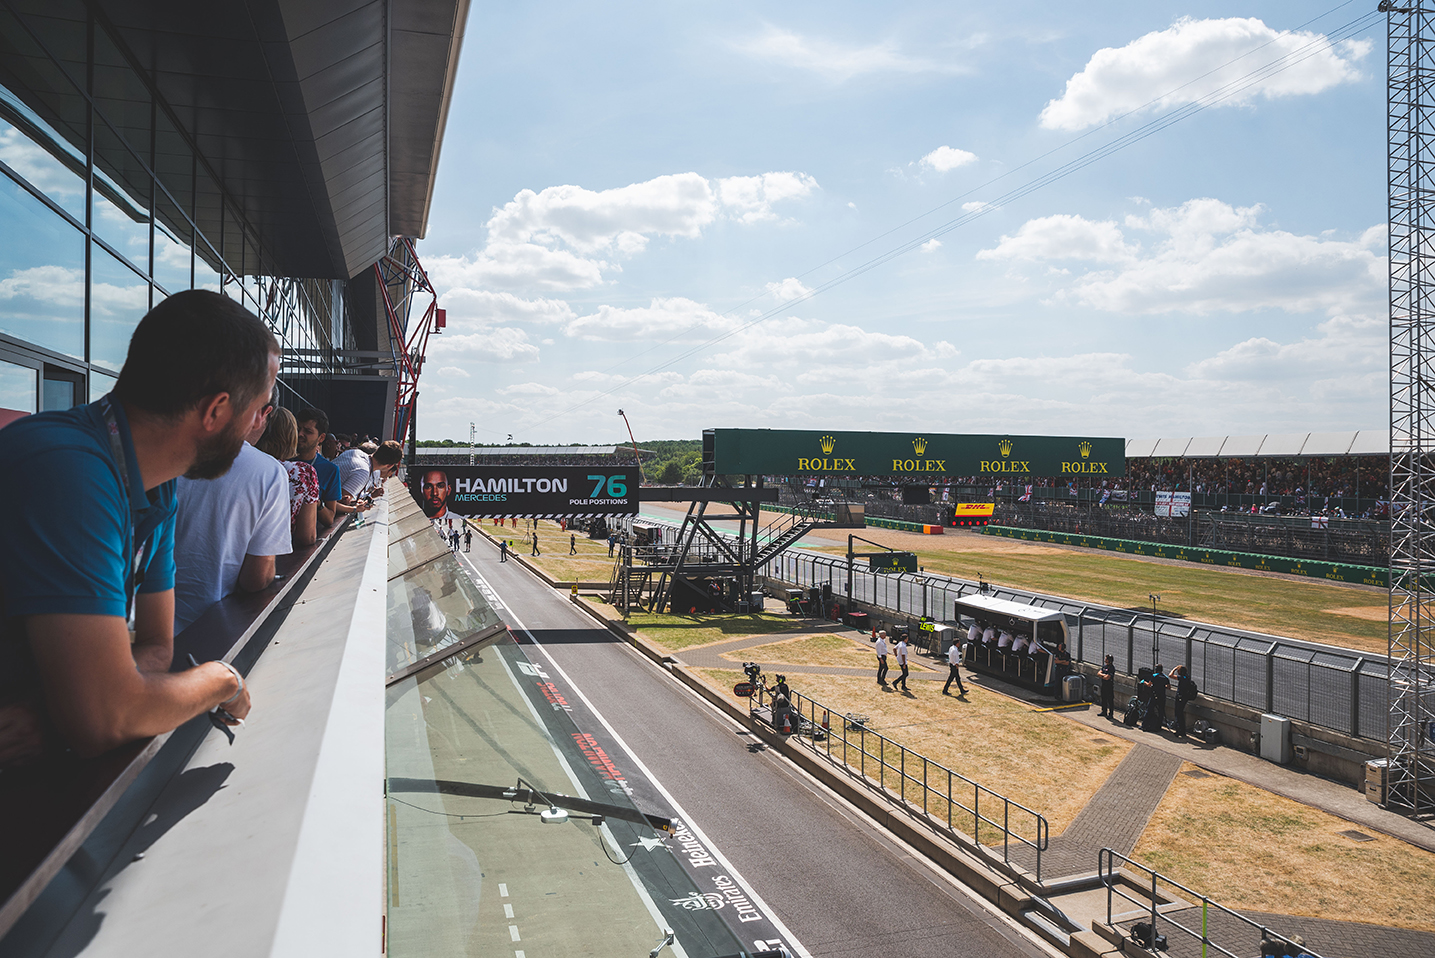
pixel 628 585
pixel 781 534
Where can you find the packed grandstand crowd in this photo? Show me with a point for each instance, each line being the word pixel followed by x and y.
pixel 1365 477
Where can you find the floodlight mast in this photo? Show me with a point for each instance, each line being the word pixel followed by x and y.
pixel 1410 131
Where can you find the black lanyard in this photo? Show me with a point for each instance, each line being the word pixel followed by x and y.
pixel 117 448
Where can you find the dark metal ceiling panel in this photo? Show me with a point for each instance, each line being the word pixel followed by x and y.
pixel 320 119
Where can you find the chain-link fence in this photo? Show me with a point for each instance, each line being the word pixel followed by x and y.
pixel 1337 689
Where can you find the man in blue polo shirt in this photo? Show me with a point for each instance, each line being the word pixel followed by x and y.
pixel 88 549
pixel 313 428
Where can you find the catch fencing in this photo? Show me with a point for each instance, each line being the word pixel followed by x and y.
pixel 1333 688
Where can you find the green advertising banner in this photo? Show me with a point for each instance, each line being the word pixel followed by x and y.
pixel 794 452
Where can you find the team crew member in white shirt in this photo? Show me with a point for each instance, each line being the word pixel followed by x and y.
pixel 1019 645
pixel 974 634
pixel 881 651
pixel 989 636
pixel 228 530
pixel 1004 643
pixel 902 664
pixel 954 659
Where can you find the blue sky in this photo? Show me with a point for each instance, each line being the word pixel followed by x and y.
pixel 626 191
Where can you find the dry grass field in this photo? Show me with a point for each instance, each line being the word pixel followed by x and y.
pixel 1318 611
pixel 1352 616
pixel 675 632
pixel 822 649
pixel 591 564
pixel 989 738
pixel 1250 849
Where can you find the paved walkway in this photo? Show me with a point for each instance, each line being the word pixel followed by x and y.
pixel 1115 816
pixel 1118 813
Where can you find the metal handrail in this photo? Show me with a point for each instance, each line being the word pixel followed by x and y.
pixel 937 782
pixel 1107 868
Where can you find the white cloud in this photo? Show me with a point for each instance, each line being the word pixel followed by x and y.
pixel 494 308
pixel 788 290
pixel 749 199
pixel 1207 256
pixel 931 245
pixel 1196 58
pixel 454 371
pixel 838 61
pixel 616 220
pixel 55 284
pixel 945 158
pixel 568 237
pixel 499 344
pixel 1061 237
pixel 973 206
pixel 663 316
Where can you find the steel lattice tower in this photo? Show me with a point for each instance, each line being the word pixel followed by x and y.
pixel 1410 81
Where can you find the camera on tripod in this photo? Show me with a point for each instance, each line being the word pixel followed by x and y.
pixel 753 671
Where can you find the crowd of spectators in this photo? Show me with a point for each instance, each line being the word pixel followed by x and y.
pixel 1364 477
pixel 181 486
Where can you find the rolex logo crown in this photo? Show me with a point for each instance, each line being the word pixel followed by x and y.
pixel 1085 448
pixel 919 446
pixel 1005 447
pixel 828 444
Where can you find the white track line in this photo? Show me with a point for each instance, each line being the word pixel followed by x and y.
pixel 792 943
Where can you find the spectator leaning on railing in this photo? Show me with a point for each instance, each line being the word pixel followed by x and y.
pixel 90 535
pixel 228 530
pixel 280 439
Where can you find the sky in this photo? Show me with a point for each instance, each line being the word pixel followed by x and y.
pixel 1121 219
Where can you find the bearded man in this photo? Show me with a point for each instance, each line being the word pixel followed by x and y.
pixel 196 380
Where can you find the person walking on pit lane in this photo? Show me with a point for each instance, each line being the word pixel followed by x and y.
pixel 954 661
pixel 468 540
pixel 502 550
pixel 881 651
pixel 1107 675
pixel 902 664
pixel 535 543
pixel 572 544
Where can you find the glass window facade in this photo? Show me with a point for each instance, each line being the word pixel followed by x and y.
pixel 100 193
pixel 18 387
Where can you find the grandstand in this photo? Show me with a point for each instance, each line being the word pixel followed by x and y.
pixel 1345 473
pixel 530 455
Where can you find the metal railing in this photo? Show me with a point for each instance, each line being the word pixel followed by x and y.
pixel 937 791
pixel 1338 689
pixel 1109 861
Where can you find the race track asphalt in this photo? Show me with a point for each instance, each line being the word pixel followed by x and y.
pixel 827 880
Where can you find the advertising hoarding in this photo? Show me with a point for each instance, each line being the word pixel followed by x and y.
pixel 797 452
pixel 525 492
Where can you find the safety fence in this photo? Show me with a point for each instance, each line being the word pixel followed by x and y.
pixel 1334 688
pixel 941 794
pixel 1221 930
pixel 1334 571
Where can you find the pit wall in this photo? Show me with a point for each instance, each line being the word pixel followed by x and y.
pixel 1333 571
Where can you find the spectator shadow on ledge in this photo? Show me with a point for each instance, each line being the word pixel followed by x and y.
pixel 187 792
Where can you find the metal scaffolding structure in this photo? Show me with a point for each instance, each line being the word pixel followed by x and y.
pixel 403 282
pixel 1410 79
